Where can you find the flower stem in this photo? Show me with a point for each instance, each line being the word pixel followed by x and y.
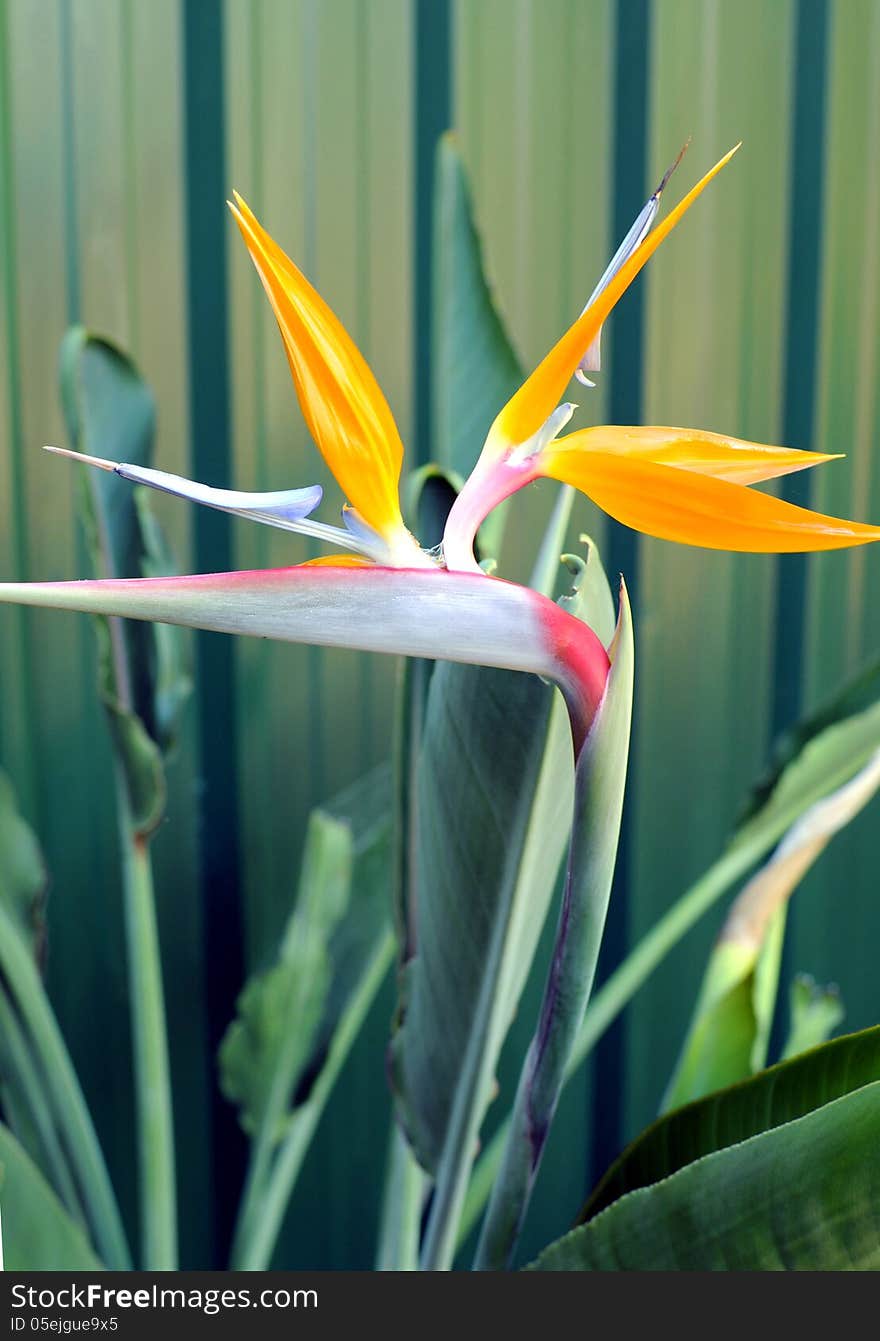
pixel 402 1202
pixel 155 1125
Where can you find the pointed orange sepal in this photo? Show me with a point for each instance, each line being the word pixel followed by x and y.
pixel 539 395
pixel 695 509
pixel 695 450
pixel 340 398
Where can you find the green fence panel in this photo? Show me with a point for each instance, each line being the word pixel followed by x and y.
pixel 321 108
pixel 843 612
pixel 714 345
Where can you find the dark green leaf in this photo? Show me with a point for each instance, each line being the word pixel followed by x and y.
pixel 855 697
pixel 38 1233
pixel 773 1097
pixel 428 496
pixel 110 413
pixel 600 777
pixel 802 1197
pixel 22 872
pixel 475 371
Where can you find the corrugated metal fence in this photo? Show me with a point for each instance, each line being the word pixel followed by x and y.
pixel 123 126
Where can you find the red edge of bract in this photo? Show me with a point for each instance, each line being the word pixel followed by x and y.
pixel 584 667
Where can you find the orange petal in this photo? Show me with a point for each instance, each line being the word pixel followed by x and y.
pixel 346 413
pixel 693 509
pixel 695 450
pixel 539 395
pixel 337 561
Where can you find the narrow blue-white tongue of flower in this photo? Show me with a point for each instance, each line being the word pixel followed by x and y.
pixel 551 427
pixel 639 230
pixel 288 509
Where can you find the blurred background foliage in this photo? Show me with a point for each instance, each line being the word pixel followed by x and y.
pixel 123 127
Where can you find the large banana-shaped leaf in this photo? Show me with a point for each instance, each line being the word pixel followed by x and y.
pixel 802 1197
pixel 727 1038
pixel 773 1097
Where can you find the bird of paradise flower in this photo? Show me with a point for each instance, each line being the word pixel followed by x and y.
pixel 384 593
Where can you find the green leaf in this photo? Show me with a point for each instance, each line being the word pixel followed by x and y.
pixel 171 684
pixel 38 1233
pixel 335 955
pixel 22 1087
pixel 484 739
pixel 492 813
pixel 269 1043
pixel 598 804
pixel 789 1090
pixel 110 413
pixel 833 744
pixel 851 700
pixel 365 809
pixel 22 871
pixel 46 1097
pixel 590 593
pixel 827 758
pixel 427 498
pixel 801 1197
pixel 727 1038
pixel 814 1011
pixel 475 370
pixel 403 1197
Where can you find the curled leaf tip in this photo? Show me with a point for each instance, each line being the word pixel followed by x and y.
pixel 673 165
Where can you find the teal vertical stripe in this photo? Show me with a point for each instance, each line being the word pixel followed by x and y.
pixel 315 657
pixel 633 38
pixel 801 385
pixel 206 222
pixel 18 514
pixel 68 166
pixel 802 332
pixel 433 113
